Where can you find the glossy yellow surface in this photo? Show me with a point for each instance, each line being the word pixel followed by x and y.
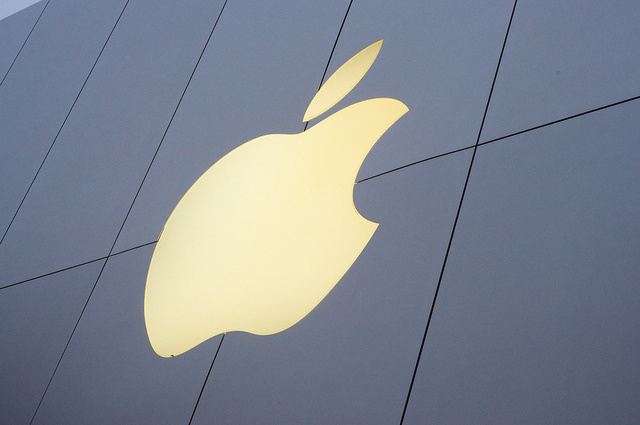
pixel 264 234
pixel 342 81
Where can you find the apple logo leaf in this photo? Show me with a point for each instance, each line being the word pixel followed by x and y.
pixel 265 234
pixel 342 81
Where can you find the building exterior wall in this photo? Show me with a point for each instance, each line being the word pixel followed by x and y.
pixel 537 264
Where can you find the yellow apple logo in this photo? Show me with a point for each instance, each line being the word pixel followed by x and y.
pixel 264 234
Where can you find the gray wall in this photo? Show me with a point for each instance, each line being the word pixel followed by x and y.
pixel 537 315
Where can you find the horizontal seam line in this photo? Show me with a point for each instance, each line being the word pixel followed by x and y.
pixel 517 133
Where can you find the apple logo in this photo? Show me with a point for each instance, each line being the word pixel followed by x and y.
pixel 265 233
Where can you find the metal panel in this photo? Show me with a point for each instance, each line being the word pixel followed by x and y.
pixel 564 58
pixel 14 30
pixel 41 87
pixel 36 319
pixel 83 193
pixel 538 313
pixel 110 373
